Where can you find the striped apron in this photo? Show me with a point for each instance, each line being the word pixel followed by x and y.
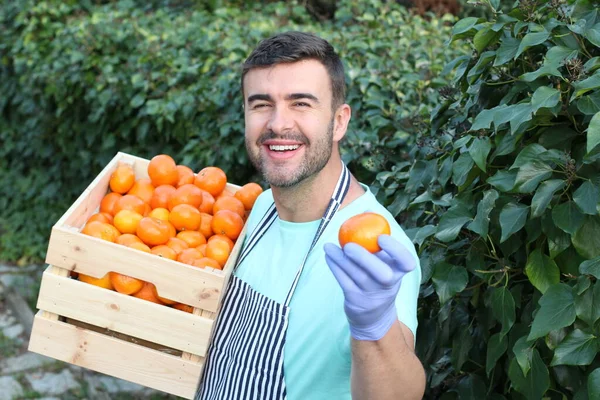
pixel 245 358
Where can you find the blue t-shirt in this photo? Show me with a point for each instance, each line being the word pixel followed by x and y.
pixel 317 356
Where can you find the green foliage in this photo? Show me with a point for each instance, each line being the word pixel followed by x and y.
pixel 83 80
pixel 502 197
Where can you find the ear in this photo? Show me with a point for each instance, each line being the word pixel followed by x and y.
pixel 341 119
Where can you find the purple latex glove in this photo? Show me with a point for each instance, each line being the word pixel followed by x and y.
pixel 370 283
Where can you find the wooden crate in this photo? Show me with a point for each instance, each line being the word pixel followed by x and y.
pixel 123 336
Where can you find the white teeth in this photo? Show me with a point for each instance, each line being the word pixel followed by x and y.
pixel 283 148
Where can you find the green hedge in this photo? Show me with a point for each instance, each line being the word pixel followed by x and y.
pixel 81 81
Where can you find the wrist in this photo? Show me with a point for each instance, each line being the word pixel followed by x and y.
pixel 376 330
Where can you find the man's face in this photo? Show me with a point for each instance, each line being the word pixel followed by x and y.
pixel 289 121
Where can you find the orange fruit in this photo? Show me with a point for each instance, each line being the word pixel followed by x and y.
pixel 159 213
pixel 224 238
pixel 130 202
pixel 125 284
pixel 161 195
pixel 192 238
pixel 126 221
pixel 224 193
pixel 140 246
pixel 228 223
pixel 127 238
pixel 364 229
pixel 186 194
pixel 248 194
pixel 206 225
pixel 188 256
pixel 211 179
pixel 186 175
pixel 122 178
pixel 207 202
pixel 202 248
pixel 219 251
pixel 101 230
pixel 103 282
pixel 101 217
pixel 185 217
pixel 143 189
pixel 205 262
pixel 109 203
pixel 229 203
pixel 162 250
pixel 148 292
pixel 162 170
pixel 153 231
pixel 177 244
pixel 184 307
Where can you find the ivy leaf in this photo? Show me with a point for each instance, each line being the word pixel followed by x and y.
pixel 584 86
pixel 593 384
pixel 421 173
pixel 496 347
pixel 503 308
pixel 423 233
pixel 543 195
pixel 481 222
pixel 530 175
pixel 541 270
pixel 589 105
pixel 448 280
pixel 484 38
pixel 503 180
pixel 544 97
pixel 593 133
pixel 558 54
pixel 544 70
pixel 586 197
pixel 523 351
pixel 461 345
pixel 461 168
pixel 479 150
pixel 587 304
pixel 590 267
pixel 452 222
pixel 557 310
pixel 512 219
pixel 577 348
pixel 527 155
pixel 507 50
pixel 593 35
pixel 483 120
pixel 535 383
pixel 472 387
pixel 587 238
pixel 567 217
pixel 463 26
pixel 532 39
pixel 521 113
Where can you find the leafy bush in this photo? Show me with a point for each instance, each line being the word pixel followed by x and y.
pixel 81 81
pixel 502 194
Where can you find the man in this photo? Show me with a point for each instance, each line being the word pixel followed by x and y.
pixel 303 318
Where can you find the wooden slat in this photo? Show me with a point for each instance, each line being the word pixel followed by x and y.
pixel 125 314
pixel 59 272
pixel 115 357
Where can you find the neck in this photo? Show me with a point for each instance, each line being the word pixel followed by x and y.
pixel 308 200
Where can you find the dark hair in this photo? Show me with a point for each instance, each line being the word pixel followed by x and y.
pixel 290 47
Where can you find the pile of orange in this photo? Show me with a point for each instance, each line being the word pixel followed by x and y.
pixel 176 214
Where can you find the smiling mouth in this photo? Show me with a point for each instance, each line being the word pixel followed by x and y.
pixel 274 147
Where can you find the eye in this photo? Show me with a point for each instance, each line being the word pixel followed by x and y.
pixel 260 105
pixel 301 104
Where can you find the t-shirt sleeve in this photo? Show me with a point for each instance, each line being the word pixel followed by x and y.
pixel 406 301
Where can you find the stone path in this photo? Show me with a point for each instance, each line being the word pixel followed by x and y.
pixel 27 375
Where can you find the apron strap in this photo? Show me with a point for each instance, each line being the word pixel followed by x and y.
pixel 258 232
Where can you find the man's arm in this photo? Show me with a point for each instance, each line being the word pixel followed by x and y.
pixel 387 368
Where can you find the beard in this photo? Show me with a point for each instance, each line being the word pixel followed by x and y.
pixel 316 156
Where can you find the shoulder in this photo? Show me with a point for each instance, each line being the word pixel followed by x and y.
pixel 262 204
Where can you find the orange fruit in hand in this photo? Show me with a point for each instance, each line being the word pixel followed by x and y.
pixel 130 202
pixel 161 195
pixel 206 225
pixel 125 284
pixel 122 178
pixel 228 223
pixel 224 238
pixel 229 203
pixel 186 194
pixel 364 229
pixel 101 230
pixel 185 217
pixel 159 213
pixel 192 238
pixel 206 262
pixel 109 203
pixel 188 256
pixel 126 221
pixel 186 175
pixel 211 179
pixel 162 170
pixel 219 251
pixel 248 194
pixel 101 217
pixel 148 292
pixel 143 189
pixel 153 231
pixel 207 202
pixel 103 282
pixel 162 250
pixel 127 238
pixel 177 244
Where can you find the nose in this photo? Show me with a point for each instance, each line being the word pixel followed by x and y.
pixel 280 120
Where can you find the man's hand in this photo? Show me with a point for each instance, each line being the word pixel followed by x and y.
pixel 370 283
